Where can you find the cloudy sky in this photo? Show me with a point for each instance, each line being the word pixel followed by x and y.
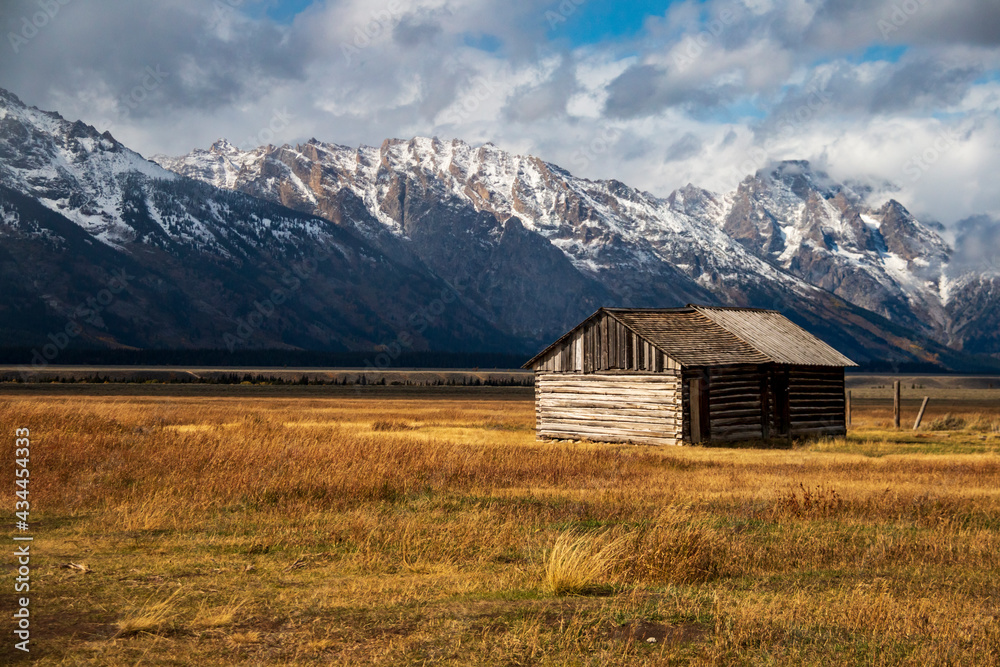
pixel 901 94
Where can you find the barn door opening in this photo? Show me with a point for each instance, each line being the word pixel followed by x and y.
pixel 694 391
pixel 782 417
pixel 698 409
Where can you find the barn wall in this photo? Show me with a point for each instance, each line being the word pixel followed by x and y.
pixel 734 402
pixel 737 402
pixel 816 400
pixel 777 402
pixel 609 407
pixel 603 344
pixel 773 401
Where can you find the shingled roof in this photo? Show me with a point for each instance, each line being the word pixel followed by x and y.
pixel 776 336
pixel 689 337
pixel 714 336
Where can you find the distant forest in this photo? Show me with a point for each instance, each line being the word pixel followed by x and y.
pixel 371 360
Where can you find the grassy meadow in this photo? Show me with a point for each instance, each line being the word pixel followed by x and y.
pixel 286 525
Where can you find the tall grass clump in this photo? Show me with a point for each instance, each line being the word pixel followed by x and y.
pixel 948 422
pixel 578 564
pixel 150 617
pixel 676 550
pixel 983 423
pixel 391 425
pixel 217 617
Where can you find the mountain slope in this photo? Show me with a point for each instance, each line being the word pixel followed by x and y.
pixel 448 203
pixel 430 245
pixel 881 259
pixel 206 268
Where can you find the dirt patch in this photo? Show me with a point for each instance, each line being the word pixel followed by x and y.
pixel 645 631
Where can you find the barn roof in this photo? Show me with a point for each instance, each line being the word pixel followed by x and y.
pixel 776 336
pixel 689 337
pixel 715 336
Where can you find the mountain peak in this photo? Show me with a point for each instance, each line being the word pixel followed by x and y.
pixel 792 166
pixel 893 206
pixel 802 179
pixel 788 171
pixel 223 146
pixel 9 98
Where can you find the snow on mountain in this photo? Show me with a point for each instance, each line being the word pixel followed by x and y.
pixel 786 235
pixel 598 225
pixel 882 259
pixel 70 167
pixel 119 197
pixel 526 248
pixel 209 266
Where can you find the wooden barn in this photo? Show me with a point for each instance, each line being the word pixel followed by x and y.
pixel 688 375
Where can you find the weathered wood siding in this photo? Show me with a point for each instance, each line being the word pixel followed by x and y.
pixel 737 400
pixel 734 403
pixel 610 407
pixel 816 400
pixel 628 375
pixel 605 344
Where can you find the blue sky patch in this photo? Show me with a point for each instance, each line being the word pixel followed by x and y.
pixel 482 41
pixel 284 11
pixel 594 21
pixel 884 53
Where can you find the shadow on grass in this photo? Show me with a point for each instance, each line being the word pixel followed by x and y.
pixel 592 591
pixel 773 443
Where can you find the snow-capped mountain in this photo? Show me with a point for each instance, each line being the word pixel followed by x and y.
pixel 974 286
pixel 102 246
pixel 881 259
pixel 788 237
pixel 437 245
pixel 450 202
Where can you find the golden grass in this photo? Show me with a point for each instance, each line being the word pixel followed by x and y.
pixel 577 564
pixel 217 616
pixel 150 616
pixel 390 531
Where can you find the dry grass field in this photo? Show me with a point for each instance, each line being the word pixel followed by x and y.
pixel 325 526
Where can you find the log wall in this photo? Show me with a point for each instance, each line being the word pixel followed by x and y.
pixel 605 344
pixel 603 382
pixel 816 401
pixel 632 407
pixel 762 402
pixel 733 400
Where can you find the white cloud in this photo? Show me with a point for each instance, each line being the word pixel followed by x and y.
pixel 358 72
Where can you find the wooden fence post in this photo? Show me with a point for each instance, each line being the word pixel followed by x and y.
pixel 920 415
pixel 895 403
